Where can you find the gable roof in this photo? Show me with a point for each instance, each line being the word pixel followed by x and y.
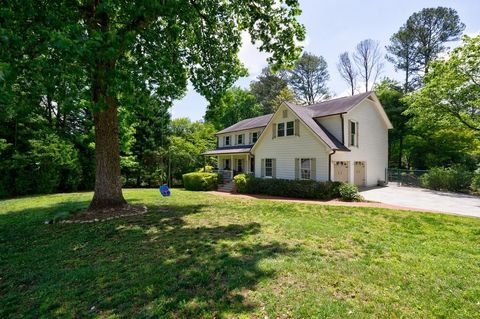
pixel 306 116
pixel 336 106
pixel 254 122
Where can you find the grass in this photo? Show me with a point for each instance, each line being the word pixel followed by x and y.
pixel 214 257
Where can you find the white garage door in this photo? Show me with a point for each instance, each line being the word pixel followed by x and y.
pixel 340 171
pixel 359 173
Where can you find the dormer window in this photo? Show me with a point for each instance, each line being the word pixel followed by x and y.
pixel 227 140
pixel 254 137
pixel 285 129
pixel 240 139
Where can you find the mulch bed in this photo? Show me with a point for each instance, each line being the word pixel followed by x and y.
pixel 105 214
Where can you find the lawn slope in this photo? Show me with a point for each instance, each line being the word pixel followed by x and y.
pixel 199 255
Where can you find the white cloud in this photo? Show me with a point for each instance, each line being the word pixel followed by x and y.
pixel 251 57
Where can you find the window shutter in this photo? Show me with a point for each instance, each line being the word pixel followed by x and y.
pixel 250 138
pixel 297 127
pixel 223 141
pixel 349 133
pixel 297 168
pixel 262 171
pixel 274 130
pixel 313 169
pixel 356 132
pixel 274 168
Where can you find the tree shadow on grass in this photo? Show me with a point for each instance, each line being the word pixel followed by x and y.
pixel 157 265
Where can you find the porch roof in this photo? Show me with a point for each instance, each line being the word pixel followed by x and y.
pixel 230 150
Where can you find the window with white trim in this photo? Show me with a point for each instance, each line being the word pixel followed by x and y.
pixel 353 133
pixel 305 168
pixel 268 167
pixel 240 139
pixel 286 129
pixel 254 137
pixel 227 140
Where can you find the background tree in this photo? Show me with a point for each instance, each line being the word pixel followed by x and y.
pixel 431 29
pixel 451 93
pixel 368 58
pixel 267 86
pixel 285 95
pixel 308 79
pixel 347 71
pixel 235 105
pixel 121 47
pixel 390 94
pixel 403 54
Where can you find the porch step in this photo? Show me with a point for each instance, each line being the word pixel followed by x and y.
pixel 226 187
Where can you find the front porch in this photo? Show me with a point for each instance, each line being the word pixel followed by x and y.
pixel 234 164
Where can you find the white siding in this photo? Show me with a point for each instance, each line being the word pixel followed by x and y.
pixel 286 149
pixel 372 142
pixel 333 124
pixel 233 137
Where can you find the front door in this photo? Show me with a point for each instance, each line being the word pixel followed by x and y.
pixel 359 173
pixel 239 165
pixel 340 171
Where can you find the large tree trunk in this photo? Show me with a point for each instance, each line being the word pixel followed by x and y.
pixel 108 187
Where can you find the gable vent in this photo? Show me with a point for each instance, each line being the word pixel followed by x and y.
pixel 285 114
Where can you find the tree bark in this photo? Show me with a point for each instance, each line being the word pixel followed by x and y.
pixel 108 186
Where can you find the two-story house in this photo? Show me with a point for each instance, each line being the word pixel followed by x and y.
pixel 343 139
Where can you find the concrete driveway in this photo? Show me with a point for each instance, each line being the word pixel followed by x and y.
pixel 425 199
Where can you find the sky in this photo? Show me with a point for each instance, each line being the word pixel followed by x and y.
pixel 335 26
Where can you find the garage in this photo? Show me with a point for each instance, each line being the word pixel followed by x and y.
pixel 359 168
pixel 340 171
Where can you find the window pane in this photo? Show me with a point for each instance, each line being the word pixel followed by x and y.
pixel 254 137
pixel 227 140
pixel 352 127
pixel 268 167
pixel 305 163
pixel 281 129
pixel 290 130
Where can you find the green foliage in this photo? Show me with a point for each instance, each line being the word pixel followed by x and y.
pixel 290 188
pixel 266 88
pixel 235 105
pixel 349 192
pixel 308 79
pixel 475 186
pixel 197 181
pixel 206 169
pixel 455 179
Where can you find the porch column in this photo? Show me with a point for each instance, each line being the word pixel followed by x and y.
pixel 232 165
pixel 247 164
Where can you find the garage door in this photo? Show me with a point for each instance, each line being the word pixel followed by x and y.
pixel 340 171
pixel 359 173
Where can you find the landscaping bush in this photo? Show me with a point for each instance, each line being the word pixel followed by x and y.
pixel 206 169
pixel 197 181
pixel 475 186
pixel 455 179
pixel 349 192
pixel 292 188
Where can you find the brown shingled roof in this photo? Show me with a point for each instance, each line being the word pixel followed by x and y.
pixel 336 106
pixel 259 121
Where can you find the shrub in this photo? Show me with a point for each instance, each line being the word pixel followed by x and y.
pixel 349 192
pixel 206 169
pixel 455 178
pixel 475 186
pixel 291 188
pixel 197 181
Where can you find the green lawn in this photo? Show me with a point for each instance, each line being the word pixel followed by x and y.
pixel 209 256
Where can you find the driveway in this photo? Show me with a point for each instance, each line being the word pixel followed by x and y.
pixel 425 199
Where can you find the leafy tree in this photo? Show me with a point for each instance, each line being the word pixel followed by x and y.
pixel 391 96
pixel 186 145
pixel 308 79
pixel 267 86
pixel 285 95
pixel 368 58
pixel 451 94
pixel 235 105
pixel 116 48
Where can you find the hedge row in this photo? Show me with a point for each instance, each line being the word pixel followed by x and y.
pixel 454 179
pixel 198 181
pixel 247 184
